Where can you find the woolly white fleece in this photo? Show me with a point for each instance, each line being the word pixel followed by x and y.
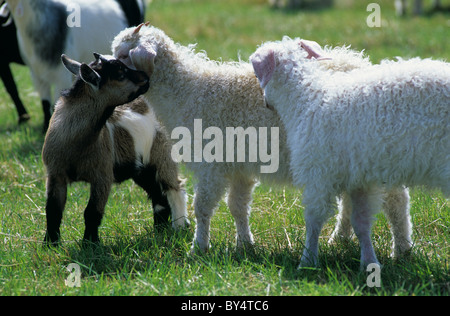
pixel 388 124
pixel 184 86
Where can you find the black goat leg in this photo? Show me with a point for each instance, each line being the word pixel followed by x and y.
pixel 147 179
pixel 46 107
pixel 94 211
pixel 56 200
pixel 11 88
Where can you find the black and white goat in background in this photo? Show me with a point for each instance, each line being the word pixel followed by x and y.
pixel 10 55
pixel 97 137
pixel 48 28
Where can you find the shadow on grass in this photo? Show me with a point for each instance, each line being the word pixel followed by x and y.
pixel 416 274
pixel 122 257
pixel 130 253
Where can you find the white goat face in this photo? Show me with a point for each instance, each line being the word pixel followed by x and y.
pixel 284 54
pixel 124 42
pixel 135 50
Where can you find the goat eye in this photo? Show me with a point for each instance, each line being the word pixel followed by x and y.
pixel 121 76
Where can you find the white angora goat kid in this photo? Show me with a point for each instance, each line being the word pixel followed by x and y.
pixel 387 124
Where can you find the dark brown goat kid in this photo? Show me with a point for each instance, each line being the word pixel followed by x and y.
pixel 102 133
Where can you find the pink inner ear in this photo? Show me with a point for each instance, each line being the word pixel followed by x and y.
pixel 143 57
pixel 313 49
pixel 263 62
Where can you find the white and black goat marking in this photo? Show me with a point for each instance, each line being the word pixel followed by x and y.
pixel 8 34
pixel 41 35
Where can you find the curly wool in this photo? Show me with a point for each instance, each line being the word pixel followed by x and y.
pixel 385 124
pixel 186 85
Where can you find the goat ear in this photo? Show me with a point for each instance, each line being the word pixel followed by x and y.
pixel 71 65
pixel 263 61
pixel 4 10
pixel 143 58
pixel 313 49
pixel 4 13
pixel 100 57
pixel 90 76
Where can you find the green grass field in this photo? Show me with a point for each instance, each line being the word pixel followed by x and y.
pixel 134 260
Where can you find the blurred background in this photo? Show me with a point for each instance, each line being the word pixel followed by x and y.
pixel 225 28
pixel 232 30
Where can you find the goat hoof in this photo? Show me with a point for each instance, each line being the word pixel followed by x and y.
pixel 182 223
pixel 90 244
pixel 50 242
pixel 90 239
pixel 24 118
pixel 308 263
pixel 196 249
pixel 160 227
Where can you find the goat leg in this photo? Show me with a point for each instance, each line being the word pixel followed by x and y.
pixel 56 200
pixel 94 211
pixel 147 179
pixel 11 88
pixel 46 107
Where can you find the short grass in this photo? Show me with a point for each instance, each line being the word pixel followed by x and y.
pixel 134 260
